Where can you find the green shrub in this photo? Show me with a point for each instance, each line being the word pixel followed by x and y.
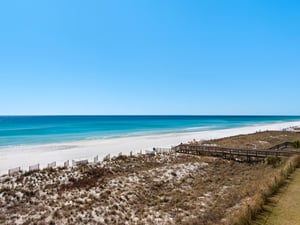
pixel 274 161
pixel 296 144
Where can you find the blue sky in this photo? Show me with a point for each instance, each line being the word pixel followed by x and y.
pixel 149 57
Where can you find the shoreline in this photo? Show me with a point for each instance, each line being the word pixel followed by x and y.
pixel 24 156
pixel 143 189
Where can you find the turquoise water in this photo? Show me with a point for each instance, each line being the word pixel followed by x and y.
pixel 22 130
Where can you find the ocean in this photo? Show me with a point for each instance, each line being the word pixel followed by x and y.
pixel 26 130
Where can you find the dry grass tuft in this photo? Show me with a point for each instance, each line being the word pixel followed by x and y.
pixel 272 185
pixel 89 179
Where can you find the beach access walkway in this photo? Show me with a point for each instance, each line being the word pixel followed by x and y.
pixel 284 207
pixel 232 153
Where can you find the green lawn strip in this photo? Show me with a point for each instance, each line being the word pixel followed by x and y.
pixel 284 207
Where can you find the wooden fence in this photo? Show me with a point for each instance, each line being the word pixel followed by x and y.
pixel 69 163
pixel 231 153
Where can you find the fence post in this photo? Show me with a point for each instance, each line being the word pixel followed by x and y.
pixel 13 171
pixel 51 165
pixel 80 162
pixel 34 167
pixel 107 158
pixel 66 164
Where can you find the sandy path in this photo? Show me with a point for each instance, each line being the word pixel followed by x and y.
pixel 284 207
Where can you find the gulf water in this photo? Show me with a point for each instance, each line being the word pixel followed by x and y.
pixel 24 130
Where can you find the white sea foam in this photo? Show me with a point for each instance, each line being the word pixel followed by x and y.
pixel 23 156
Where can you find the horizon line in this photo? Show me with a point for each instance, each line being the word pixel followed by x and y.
pixel 40 115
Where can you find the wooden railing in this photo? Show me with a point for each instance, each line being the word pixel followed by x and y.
pixel 230 152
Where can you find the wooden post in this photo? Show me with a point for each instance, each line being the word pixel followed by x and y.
pixel 66 163
pixel 34 167
pixel 51 165
pixel 14 171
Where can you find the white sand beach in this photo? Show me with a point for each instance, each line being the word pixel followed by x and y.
pixel 24 156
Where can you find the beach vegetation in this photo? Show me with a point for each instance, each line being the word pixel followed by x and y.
pixel 249 212
pixel 296 144
pixel 273 161
pixel 286 208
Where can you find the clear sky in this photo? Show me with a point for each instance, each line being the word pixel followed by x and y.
pixel 149 57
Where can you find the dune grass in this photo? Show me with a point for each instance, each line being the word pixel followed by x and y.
pixel 144 189
pixel 256 206
pixel 284 207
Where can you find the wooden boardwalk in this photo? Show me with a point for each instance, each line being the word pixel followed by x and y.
pixel 232 153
